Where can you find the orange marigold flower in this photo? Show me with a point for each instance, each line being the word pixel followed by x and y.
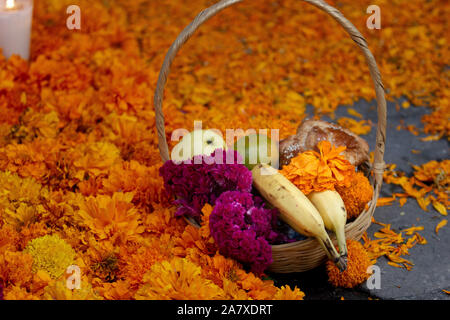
pixel 18 293
pixel 357 195
pixel 143 181
pixel 21 201
pixel 33 231
pixel 15 267
pixel 95 158
pixel 119 290
pixel 356 272
pixel 9 238
pixel 109 217
pixel 136 265
pixel 222 271
pixel 318 171
pixel 257 288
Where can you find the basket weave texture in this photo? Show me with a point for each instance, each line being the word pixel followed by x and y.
pixel 307 254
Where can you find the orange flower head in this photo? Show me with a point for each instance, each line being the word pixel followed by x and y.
pixel 356 272
pixel 15 267
pixel 319 171
pixel 112 217
pixel 177 279
pixel 356 196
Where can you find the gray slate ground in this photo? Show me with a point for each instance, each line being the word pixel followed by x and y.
pixel 431 272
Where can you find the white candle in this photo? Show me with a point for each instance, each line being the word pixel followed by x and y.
pixel 15 27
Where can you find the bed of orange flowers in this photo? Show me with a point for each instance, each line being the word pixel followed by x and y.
pixel 79 162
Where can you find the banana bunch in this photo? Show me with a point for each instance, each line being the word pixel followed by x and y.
pixel 308 216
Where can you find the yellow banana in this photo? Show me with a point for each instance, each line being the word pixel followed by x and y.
pixel 332 209
pixel 295 208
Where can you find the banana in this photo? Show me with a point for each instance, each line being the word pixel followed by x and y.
pixel 295 208
pixel 332 209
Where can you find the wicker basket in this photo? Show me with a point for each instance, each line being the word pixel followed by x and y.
pixel 307 254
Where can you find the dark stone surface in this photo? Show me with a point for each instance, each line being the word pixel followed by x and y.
pixel 431 271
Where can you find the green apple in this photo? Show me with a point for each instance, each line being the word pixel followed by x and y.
pixel 257 148
pixel 197 142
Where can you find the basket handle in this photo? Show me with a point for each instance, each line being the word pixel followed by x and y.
pixel 378 164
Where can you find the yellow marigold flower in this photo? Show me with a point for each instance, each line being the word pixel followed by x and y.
pixel 57 290
pixel 177 279
pixel 9 238
pixel 162 220
pixel 28 160
pixel 20 199
pixel 18 189
pixel 35 124
pixel 40 280
pixel 18 293
pixel 50 253
pixel 119 290
pixel 286 293
pixel 24 215
pixel 357 195
pixel 356 272
pixel 233 291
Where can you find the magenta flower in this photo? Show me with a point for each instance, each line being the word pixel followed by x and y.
pixel 193 185
pixel 243 229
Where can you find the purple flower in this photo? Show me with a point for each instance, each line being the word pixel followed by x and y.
pixel 203 179
pixel 243 229
pixel 1 289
